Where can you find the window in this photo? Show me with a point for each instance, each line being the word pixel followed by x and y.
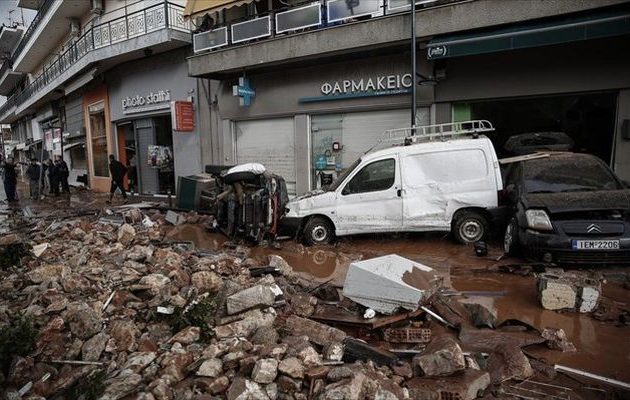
pixel 98 137
pixel 374 177
pixel 444 167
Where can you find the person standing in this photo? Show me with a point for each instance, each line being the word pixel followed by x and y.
pixel 132 174
pixel 32 172
pixel 10 180
pixel 64 173
pixel 52 178
pixel 117 171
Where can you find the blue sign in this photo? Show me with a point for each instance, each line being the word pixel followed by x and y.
pixel 244 91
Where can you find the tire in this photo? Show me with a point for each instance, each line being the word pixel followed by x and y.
pixel 318 231
pixel 469 227
pixel 511 246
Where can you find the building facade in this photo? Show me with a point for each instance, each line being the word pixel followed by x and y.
pixel 77 63
pixel 307 92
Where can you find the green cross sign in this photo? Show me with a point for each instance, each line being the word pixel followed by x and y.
pixel 244 91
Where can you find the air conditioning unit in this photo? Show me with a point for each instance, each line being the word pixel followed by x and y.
pixel 97 7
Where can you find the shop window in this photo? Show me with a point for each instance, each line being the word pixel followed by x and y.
pixel 374 177
pixel 98 136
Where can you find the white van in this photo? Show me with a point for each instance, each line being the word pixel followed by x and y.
pixel 442 182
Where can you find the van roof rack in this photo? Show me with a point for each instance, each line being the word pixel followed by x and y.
pixel 425 133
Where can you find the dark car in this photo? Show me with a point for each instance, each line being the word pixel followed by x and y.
pixel 567 208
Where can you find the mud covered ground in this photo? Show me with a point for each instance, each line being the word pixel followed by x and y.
pixel 603 346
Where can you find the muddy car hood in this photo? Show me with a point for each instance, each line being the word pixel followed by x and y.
pixel 576 201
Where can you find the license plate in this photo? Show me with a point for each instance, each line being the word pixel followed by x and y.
pixel 595 244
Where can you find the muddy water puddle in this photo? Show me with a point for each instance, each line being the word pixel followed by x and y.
pixel 330 263
pixel 602 348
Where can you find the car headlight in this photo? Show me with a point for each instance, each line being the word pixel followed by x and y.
pixel 538 220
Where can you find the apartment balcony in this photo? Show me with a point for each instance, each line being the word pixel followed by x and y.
pixel 333 29
pixel 160 27
pixel 9 38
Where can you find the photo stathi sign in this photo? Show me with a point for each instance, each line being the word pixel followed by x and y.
pixel 183 116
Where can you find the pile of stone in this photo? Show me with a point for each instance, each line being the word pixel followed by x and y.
pixel 122 313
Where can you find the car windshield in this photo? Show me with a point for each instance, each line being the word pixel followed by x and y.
pixel 343 176
pixel 567 174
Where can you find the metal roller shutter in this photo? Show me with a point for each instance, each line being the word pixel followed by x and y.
pixel 270 142
pixel 362 130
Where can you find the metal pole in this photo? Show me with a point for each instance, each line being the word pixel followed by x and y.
pixel 413 67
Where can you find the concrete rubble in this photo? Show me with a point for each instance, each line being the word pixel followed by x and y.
pixel 573 291
pixel 114 311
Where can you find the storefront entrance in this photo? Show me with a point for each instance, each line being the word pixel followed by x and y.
pixel 338 140
pixel 589 119
pixel 146 147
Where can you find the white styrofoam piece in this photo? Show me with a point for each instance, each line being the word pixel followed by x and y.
pixel 378 284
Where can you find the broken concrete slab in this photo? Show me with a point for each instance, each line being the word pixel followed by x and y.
pixel 291 367
pixel 174 218
pixel 317 333
pixel 487 340
pixel 561 290
pixel 388 283
pixel 465 386
pixel 256 296
pixel 265 370
pixel 244 389
pixel 442 357
pixel 252 320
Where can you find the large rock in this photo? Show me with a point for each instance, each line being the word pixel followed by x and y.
pixel 265 335
pixel 442 357
pixel 557 339
pixel 137 362
pixel 219 385
pixel 509 362
pixel 212 368
pixel 292 367
pixel 318 333
pixel 265 370
pixel 187 335
pixel 244 389
pixel 465 386
pixel 338 373
pixel 206 281
pixel 348 389
pixel 84 322
pixel 155 281
pixel 252 320
pixel 125 334
pixel 93 347
pixel 256 296
pixel 48 272
pixel 126 382
pixel 126 234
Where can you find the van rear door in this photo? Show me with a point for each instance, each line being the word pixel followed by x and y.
pixel 370 199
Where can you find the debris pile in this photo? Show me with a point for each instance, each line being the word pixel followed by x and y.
pixel 113 310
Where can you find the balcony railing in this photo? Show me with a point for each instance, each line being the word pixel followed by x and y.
pixel 43 9
pixel 315 15
pixel 150 19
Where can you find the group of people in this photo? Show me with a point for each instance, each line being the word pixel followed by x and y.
pixel 51 174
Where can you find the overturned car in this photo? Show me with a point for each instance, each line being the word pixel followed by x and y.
pixel 247 201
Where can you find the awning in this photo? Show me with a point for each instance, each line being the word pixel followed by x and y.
pixel 206 6
pixel 543 33
pixel 69 146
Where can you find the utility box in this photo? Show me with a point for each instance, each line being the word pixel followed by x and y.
pixel 190 188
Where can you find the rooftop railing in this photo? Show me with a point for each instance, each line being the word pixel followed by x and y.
pixel 310 16
pixel 128 26
pixel 43 9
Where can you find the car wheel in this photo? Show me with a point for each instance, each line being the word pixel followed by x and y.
pixel 470 227
pixel 318 231
pixel 510 238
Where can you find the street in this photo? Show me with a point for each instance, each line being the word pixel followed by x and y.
pixel 90 261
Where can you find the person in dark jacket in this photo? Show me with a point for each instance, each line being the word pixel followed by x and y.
pixel 53 180
pixel 63 173
pixel 10 180
pixel 117 171
pixel 33 172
